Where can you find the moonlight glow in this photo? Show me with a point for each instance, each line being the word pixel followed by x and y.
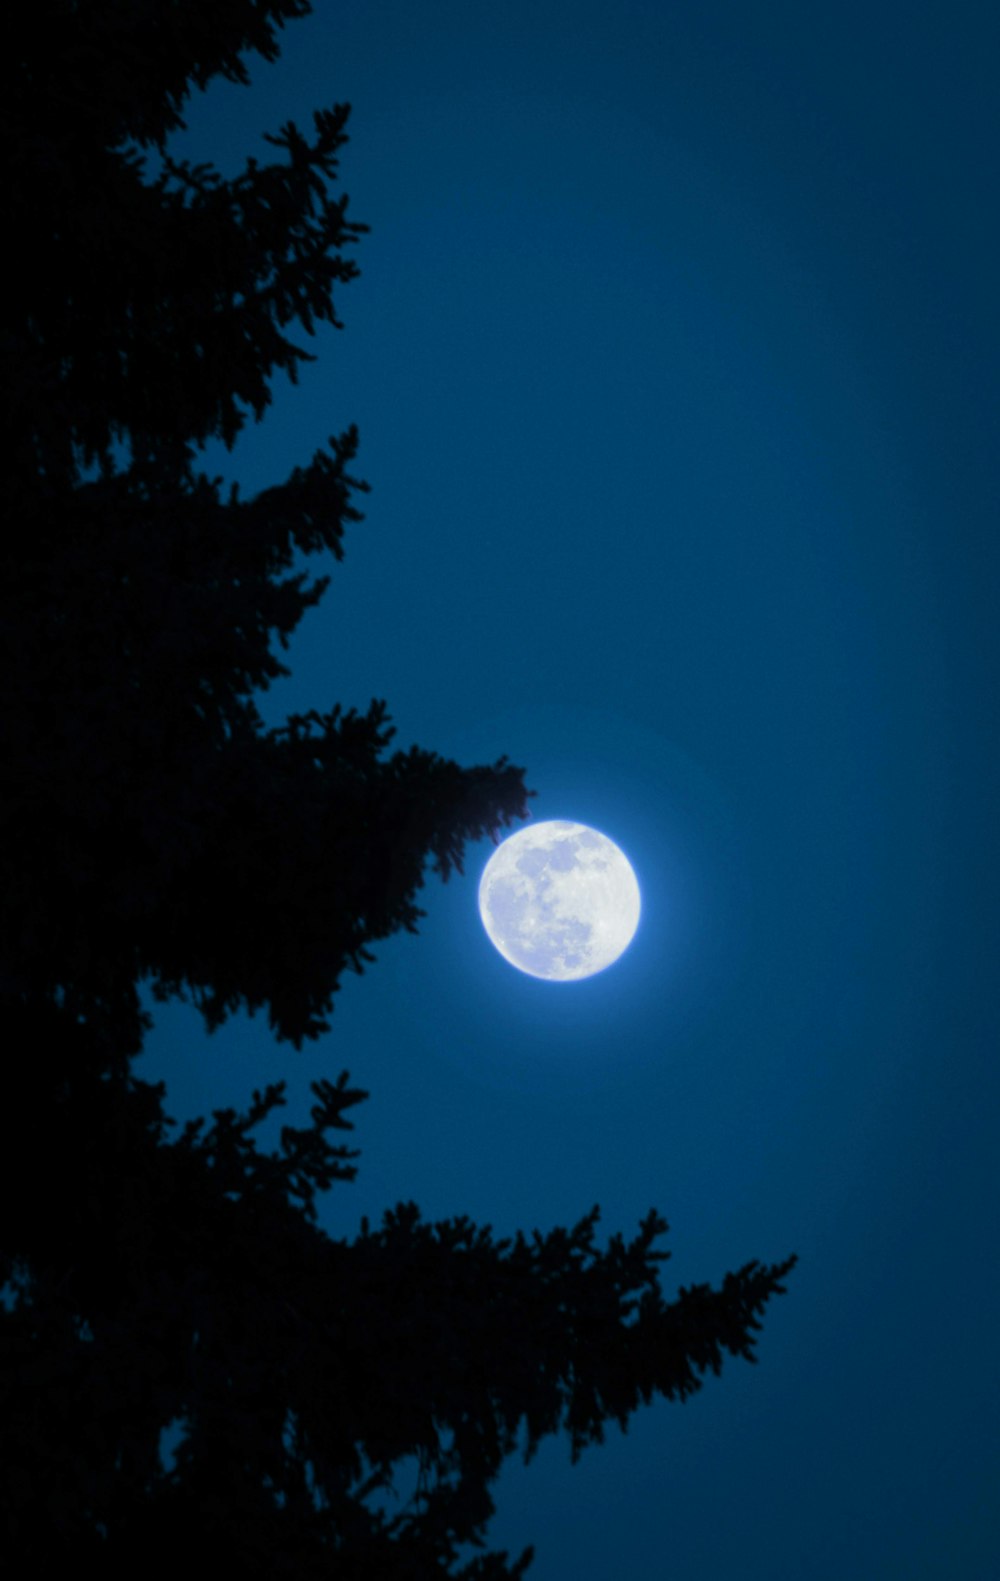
pixel 559 900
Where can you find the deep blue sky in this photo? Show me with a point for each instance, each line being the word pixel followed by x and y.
pixel 674 361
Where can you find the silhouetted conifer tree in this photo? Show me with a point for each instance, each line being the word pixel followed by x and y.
pixel 192 1367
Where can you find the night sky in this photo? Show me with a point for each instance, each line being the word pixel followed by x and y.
pixel 674 359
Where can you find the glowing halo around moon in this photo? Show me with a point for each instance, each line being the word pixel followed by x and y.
pixel 559 900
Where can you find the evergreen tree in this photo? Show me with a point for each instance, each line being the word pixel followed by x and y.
pixel 191 1363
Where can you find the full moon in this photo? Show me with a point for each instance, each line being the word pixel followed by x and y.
pixel 559 900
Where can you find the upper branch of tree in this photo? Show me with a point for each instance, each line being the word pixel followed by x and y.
pixel 150 826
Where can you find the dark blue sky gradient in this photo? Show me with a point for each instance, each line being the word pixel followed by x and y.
pixel 674 360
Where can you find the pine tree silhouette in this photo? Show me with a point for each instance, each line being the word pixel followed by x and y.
pixel 192 1365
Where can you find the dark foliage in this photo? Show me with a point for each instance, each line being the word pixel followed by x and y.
pixel 191 1365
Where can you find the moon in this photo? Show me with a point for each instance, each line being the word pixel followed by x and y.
pixel 559 900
